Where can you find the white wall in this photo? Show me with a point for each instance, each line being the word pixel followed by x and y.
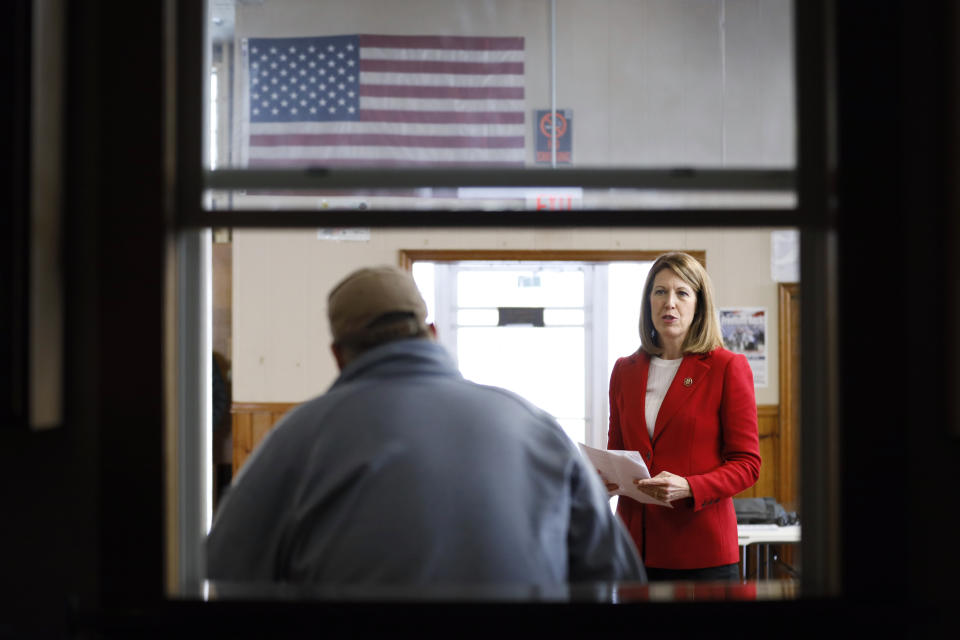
pixel 651 82
pixel 282 277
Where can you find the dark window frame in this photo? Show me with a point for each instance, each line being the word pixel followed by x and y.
pixel 814 215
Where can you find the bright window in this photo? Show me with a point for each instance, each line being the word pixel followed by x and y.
pixel 560 325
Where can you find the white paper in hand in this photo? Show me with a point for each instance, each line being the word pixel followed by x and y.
pixel 622 468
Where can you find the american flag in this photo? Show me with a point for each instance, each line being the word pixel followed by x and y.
pixel 369 100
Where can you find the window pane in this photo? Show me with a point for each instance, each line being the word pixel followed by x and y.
pixel 563 317
pixel 543 367
pixel 424 274
pixel 625 285
pixel 520 288
pixel 475 317
pixel 640 84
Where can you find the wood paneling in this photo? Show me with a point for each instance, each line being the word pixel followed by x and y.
pixel 768 427
pixel 251 421
pixel 789 327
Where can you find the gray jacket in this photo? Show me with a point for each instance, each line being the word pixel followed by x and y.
pixel 404 473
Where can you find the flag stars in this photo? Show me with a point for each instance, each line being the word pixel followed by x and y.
pixel 316 80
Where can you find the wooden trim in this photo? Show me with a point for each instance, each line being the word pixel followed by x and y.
pixel 249 423
pixel 768 428
pixel 789 328
pixel 769 411
pixel 408 256
pixel 262 407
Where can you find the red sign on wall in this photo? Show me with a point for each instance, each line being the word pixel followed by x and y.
pixel 550 131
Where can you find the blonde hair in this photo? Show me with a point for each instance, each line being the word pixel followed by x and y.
pixel 703 335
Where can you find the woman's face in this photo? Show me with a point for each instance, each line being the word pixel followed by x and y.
pixel 673 304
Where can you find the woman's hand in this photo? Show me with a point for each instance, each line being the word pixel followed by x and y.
pixel 665 486
pixel 611 486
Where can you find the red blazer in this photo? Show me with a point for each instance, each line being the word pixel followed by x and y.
pixel 706 431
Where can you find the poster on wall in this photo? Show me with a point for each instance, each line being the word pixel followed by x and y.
pixel 744 331
pixel 553 128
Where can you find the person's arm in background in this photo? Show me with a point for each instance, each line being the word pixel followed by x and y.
pixel 221 403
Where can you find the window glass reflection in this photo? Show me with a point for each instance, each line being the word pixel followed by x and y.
pixel 498 84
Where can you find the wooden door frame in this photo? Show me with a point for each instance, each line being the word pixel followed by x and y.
pixel 408 256
pixel 789 327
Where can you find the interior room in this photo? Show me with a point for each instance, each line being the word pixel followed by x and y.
pixel 162 214
pixel 673 85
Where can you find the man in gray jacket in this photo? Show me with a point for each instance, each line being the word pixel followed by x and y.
pixel 404 473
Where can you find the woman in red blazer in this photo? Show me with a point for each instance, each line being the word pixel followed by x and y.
pixel 687 405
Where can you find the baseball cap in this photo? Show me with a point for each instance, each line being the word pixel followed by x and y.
pixel 368 294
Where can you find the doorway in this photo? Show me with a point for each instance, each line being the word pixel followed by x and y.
pixel 559 320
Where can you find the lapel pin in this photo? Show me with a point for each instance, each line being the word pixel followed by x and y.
pixel 687 382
